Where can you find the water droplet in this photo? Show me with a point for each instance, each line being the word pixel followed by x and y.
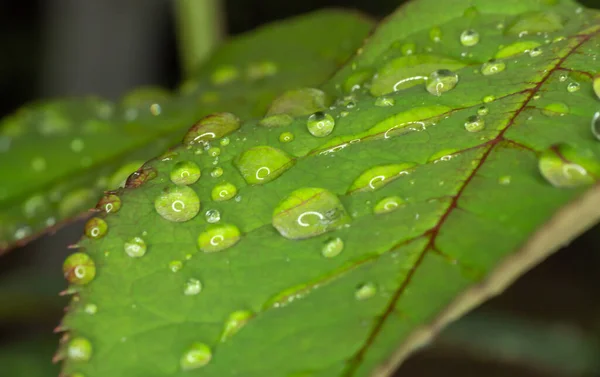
pixel 563 77
pixel 474 124
pixel 224 141
pixel 216 172
pixel 365 291
pixel 332 248
pixel 185 173
pixel 384 101
pixel 177 203
pixel 505 180
pixel 308 212
pixel 536 51
pixel 320 124
pixel 469 38
pixel 95 228
pixel 555 109
pixel 224 75
pixel 408 49
pixel 516 49
pixel 488 99
pixel 536 22
pixel 211 127
pixel 135 247
pixel 435 34
pixel 155 109
pixel 79 269
pixel 262 164
pixel 90 309
pixel 218 237
pixel 596 125
pixel 212 216
pixel 214 151
pixel 483 110
pixel 596 85
pixel 299 102
pixel 379 176
pixel 564 166
pixel 198 355
pixel 235 322
pixel 286 137
pixel 77 145
pixel 192 287
pixel 223 191
pixel 109 203
pixel 492 67
pixel 441 81
pixel 79 349
pixel 277 120
pixel 573 87
pixel 175 265
pixel 388 204
pixel 260 70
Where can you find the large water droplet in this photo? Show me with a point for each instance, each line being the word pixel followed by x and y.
pixel 95 228
pixel 308 212
pixel 564 166
pixel 198 355
pixel 110 203
pixel 365 291
pixel 555 109
pixel 492 67
pixel 79 269
pixel 223 191
pixel 332 248
pixel 320 124
pixel 218 237
pixel 299 102
pixel 474 123
pixel 185 173
pixel 263 164
pixel 211 127
pixel 469 38
pixel 277 120
pixel 516 49
pixel 441 81
pixel 378 176
pixel 234 323
pixel 224 75
pixel 79 349
pixel 536 22
pixel 192 287
pixel 135 247
pixel 177 203
pixel 388 204
pixel 596 125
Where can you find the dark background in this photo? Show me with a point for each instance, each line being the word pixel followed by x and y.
pixel 547 324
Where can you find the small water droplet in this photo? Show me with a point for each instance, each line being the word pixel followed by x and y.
pixel 469 38
pixel 384 101
pixel 286 137
pixel 216 172
pixel 218 237
pixel 516 49
pixel 596 125
pixel 110 203
pixel 185 173
pixel 308 212
pixel 95 228
pixel 262 164
pixel 224 75
pixel 211 127
pixel 573 87
pixel 235 322
pixel 135 247
pixel 388 204
pixel 79 349
pixel 483 110
pixel 198 355
pixel 379 176
pixel 408 49
pixel 492 67
pixel 365 291
pixel 79 268
pixel 564 166
pixel 555 109
pixel 435 34
pixel 223 191
pixel 505 180
pixel 474 124
pixel 175 265
pixel 214 151
pixel 536 51
pixel 90 309
pixel 488 99
pixel 192 287
pixel 212 216
pixel 332 248
pixel 177 203
pixel 441 81
pixel 320 124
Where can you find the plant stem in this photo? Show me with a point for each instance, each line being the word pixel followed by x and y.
pixel 200 27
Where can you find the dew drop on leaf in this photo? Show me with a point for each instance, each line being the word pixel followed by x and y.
pixel 177 203
pixel 492 67
pixel 408 49
pixel 185 173
pixel 596 85
pixel 175 265
pixel 216 172
pixel 198 355
pixel 555 109
pixel 535 52
pixel 95 228
pixel 214 126
pixel 309 212
pixel 214 151
pixel 79 349
pixel 90 309
pixel 572 87
pixel 505 180
pixel 435 34
pixel 365 291
pixel 223 191
pixel 469 37
pixel 192 287
pixel 320 124
pixel 596 125
pixel 388 204
pixel 79 269
pixel 474 123
pixel 135 247
pixel 332 248
pixel 564 166
pixel 483 110
pixel 488 99
pixel 441 81
pixel 262 164
pixel 224 141
pixel 110 203
pixel 234 323
pixel 212 216
pixel 218 237
pixel 516 49
pixel 384 101
pixel 286 137
pixel 379 176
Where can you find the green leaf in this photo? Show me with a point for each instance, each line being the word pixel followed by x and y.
pixel 348 245
pixel 57 157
